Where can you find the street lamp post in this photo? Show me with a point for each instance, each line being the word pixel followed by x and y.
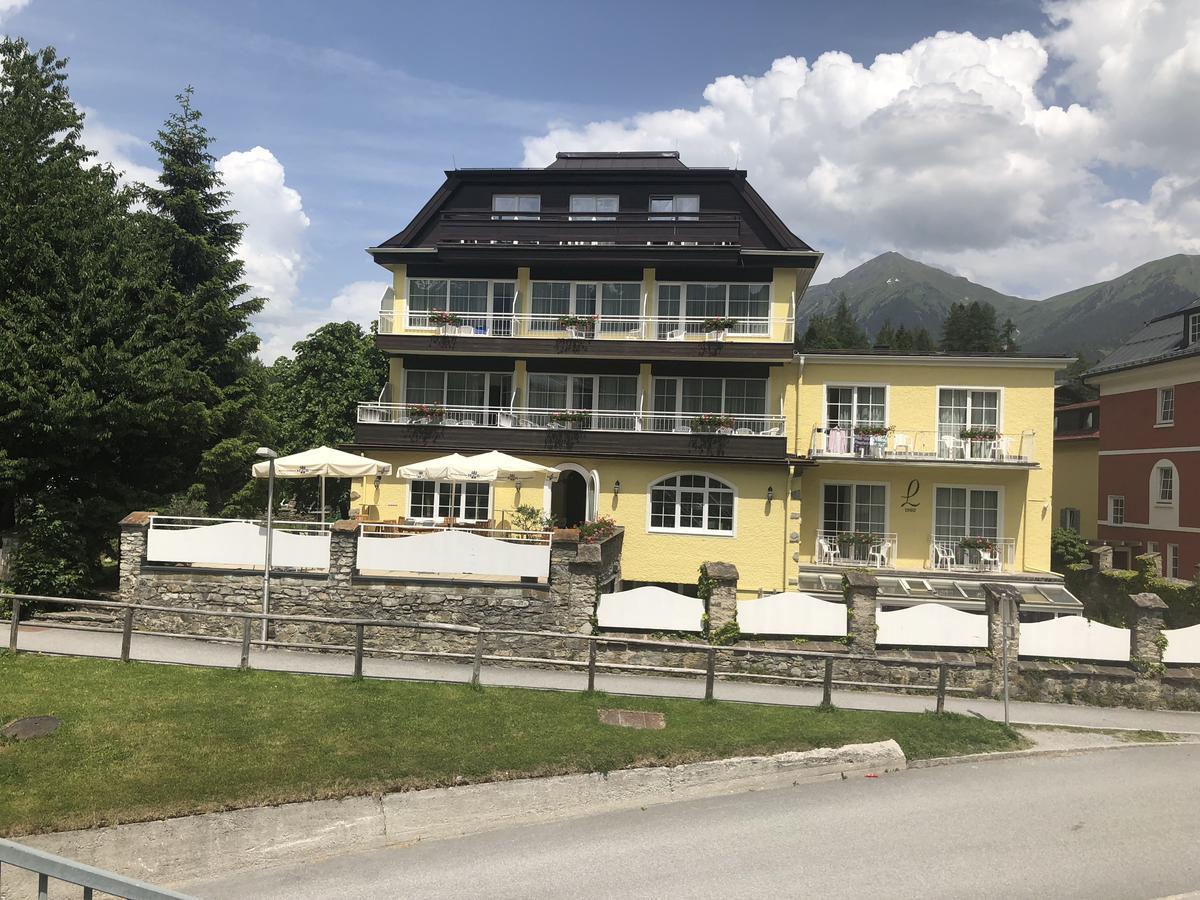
pixel 269 455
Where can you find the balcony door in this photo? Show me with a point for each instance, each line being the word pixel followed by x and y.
pixel 960 512
pixel 960 408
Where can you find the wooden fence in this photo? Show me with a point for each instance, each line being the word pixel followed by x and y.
pixel 128 613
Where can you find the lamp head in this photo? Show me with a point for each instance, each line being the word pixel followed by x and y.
pixel 266 453
pixel 770 494
pixel 617 486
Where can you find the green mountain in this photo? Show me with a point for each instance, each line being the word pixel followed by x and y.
pixel 1092 319
pixel 907 292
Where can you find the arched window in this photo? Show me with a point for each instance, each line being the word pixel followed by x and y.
pixel 692 504
pixel 1164 483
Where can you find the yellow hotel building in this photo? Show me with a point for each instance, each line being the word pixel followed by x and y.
pixel 629 320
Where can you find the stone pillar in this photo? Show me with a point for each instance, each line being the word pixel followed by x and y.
pixel 861 591
pixel 995 597
pixel 1101 558
pixel 132 552
pixel 343 552
pixel 1145 631
pixel 722 602
pixel 577 571
pixel 1149 562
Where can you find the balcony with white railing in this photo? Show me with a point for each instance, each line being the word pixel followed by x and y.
pixel 949 553
pixel 873 550
pixel 947 445
pixel 434 415
pixel 602 327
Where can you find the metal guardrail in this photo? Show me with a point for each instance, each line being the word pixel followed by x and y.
pixel 48 866
pixel 479 656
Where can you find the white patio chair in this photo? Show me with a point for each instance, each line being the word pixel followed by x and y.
pixel 953 447
pixel 724 430
pixel 676 334
pixel 743 431
pixel 682 429
pixel 879 553
pixel 902 443
pixel 989 560
pixel 828 553
pixel 1000 448
pixel 943 558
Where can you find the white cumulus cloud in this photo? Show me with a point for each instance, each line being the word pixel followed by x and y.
pixel 8 7
pixel 358 302
pixel 958 150
pixel 272 245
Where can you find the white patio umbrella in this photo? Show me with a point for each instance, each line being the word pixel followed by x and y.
pixel 496 466
pixel 323 462
pixel 437 469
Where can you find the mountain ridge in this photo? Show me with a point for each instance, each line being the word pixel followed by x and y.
pixel 1093 319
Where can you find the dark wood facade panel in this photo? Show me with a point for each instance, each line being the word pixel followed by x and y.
pixel 470 345
pixel 439 439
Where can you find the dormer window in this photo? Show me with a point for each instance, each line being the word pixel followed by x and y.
pixel 1194 328
pixel 517 206
pixel 675 208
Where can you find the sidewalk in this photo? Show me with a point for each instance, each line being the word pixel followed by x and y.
pixel 158 649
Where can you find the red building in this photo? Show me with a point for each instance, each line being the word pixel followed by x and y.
pixel 1149 490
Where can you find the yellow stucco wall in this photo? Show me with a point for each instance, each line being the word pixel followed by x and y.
pixel 758 546
pixel 1077 482
pixel 1026 405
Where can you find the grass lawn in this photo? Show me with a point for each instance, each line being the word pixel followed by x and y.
pixel 142 741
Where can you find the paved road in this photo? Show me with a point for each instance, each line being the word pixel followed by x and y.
pixel 154 648
pixel 1119 823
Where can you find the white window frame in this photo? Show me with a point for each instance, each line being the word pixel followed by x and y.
pixel 1164 475
pixel 1116 501
pixel 675 215
pixel 887 397
pixel 1194 328
pixel 487 385
pixel 679 411
pixel 937 409
pixel 573 299
pixel 1172 561
pixel 489 314
pixel 732 533
pixel 997 489
pixel 570 389
pixel 1165 408
pixel 518 214
pixel 679 319
pixel 440 487
pixel 595 215
pixel 855 485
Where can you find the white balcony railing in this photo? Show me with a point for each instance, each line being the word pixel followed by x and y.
pixel 902 446
pixel 599 327
pixel 972 554
pixel 876 550
pixel 566 419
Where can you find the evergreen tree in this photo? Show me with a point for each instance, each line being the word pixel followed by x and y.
pixel 885 338
pixel 93 386
pixel 846 330
pixel 956 328
pixel 315 394
pixel 903 342
pixel 971 328
pixel 1072 388
pixel 819 335
pixel 922 342
pixel 197 232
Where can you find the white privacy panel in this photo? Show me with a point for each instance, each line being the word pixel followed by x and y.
pixel 453 553
pixel 931 625
pixel 792 613
pixel 1074 637
pixel 651 609
pixel 237 544
pixel 1183 645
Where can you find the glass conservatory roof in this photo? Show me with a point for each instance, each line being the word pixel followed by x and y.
pixel 1044 596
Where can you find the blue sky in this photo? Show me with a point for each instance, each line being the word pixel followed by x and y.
pixel 363 105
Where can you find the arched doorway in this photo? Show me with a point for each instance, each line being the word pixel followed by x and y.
pixel 569 498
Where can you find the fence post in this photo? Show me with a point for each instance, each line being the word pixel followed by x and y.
pixel 591 665
pixel 941 690
pixel 861 591
pixel 358 652
pixel 12 629
pixel 711 675
pixel 827 684
pixel 126 634
pixel 247 624
pixel 475 670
